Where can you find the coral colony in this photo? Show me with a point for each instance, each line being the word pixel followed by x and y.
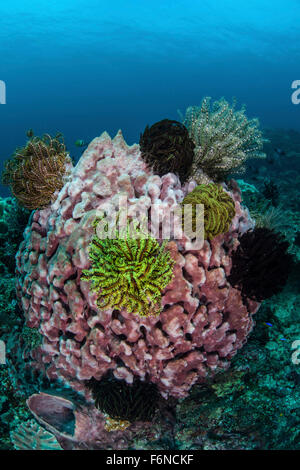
pixel 131 321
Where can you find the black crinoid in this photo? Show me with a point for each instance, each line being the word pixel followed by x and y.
pixel 261 264
pixel 167 147
pixel 271 192
pixel 120 400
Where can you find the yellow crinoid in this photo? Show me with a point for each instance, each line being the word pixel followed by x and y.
pixel 36 171
pixel 129 273
pixel 219 208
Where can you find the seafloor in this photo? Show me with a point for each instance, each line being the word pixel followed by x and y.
pixel 253 405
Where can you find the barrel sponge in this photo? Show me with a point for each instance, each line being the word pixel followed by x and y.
pixel 219 208
pixel 203 320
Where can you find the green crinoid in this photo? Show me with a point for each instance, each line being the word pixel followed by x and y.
pixel 219 208
pixel 129 273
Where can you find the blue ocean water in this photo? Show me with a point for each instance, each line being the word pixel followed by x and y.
pixel 81 67
pixel 84 66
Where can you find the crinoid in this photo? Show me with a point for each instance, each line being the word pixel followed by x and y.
pixel 129 272
pixel 167 147
pixel 224 138
pixel 271 192
pixel 120 400
pixel 219 208
pixel 261 264
pixel 36 172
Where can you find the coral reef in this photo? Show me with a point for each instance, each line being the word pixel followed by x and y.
pixel 204 320
pixel 36 172
pixel 272 218
pixel 260 264
pixel 31 337
pixel 253 405
pixel 219 208
pixel 271 192
pixel 13 220
pixel 167 147
pixel 129 273
pixel 85 427
pixel 31 436
pixel 13 409
pixel 224 138
pixel 284 172
pixel 280 219
pixel 288 140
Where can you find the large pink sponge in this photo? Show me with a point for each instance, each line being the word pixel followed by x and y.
pixel 204 321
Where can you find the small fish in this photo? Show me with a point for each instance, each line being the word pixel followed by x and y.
pixel 30 133
pixel 276 156
pixel 268 324
pixel 81 143
pixel 280 152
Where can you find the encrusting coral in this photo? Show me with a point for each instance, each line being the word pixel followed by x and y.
pixel 219 208
pixel 36 172
pixel 224 138
pixel 31 436
pixel 261 264
pixel 167 147
pixel 13 220
pixel 129 273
